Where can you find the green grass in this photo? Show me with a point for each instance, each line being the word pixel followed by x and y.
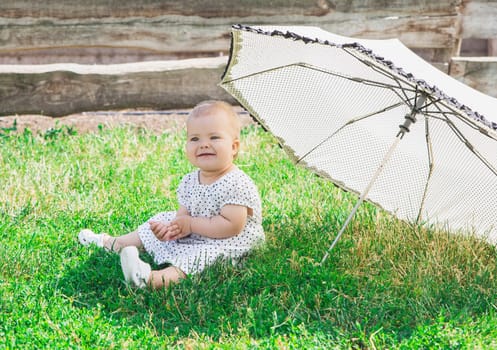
pixel 387 284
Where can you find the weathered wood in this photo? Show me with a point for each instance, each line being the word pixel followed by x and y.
pixel 98 9
pixel 492 47
pixel 58 90
pixel 70 9
pixel 477 72
pixel 479 19
pixel 203 26
pixel 94 55
pixel 109 31
pixel 166 36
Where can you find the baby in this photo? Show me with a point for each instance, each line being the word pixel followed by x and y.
pixel 219 212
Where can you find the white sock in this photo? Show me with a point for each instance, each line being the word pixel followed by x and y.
pixel 135 271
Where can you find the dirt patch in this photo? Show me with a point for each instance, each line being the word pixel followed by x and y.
pixel 154 121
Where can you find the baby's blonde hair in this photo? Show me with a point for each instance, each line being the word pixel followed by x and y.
pixel 206 106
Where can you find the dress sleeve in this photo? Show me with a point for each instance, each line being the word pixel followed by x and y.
pixel 242 191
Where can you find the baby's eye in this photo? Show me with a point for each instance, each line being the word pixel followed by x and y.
pixel 194 139
pixel 215 137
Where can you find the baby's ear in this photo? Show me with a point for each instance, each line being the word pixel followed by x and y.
pixel 235 147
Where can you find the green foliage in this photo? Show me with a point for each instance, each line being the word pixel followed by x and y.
pixel 387 284
pixel 5 131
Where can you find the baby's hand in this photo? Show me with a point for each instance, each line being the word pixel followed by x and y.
pixel 179 227
pixel 170 231
pixel 159 229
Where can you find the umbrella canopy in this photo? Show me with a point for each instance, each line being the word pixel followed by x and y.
pixel 376 119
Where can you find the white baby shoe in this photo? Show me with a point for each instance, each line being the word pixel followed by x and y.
pixel 135 271
pixel 87 237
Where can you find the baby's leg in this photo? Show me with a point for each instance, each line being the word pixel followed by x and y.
pixel 163 278
pixel 114 244
pixel 139 273
pixel 135 271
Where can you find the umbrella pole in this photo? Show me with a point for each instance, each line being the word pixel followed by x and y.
pixel 410 118
pixel 363 196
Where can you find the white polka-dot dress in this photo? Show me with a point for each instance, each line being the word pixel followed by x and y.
pixel 195 252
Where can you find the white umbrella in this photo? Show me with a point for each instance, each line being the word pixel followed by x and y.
pixel 376 119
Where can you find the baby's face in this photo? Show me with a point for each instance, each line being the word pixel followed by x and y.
pixel 211 142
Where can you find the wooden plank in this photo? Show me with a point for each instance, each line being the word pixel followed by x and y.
pixel 436 37
pixel 492 47
pixel 479 19
pixel 62 89
pixel 477 72
pixel 162 36
pixel 64 9
pixel 104 9
pixel 93 55
pixel 204 26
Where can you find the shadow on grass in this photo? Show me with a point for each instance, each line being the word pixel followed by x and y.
pixel 224 299
pixel 278 289
pixel 94 280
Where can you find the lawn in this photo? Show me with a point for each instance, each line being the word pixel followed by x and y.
pixel 387 284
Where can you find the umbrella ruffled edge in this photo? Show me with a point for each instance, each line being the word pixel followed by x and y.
pixel 432 89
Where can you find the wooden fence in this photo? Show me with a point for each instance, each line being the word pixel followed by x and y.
pixel 61 89
pixel 103 34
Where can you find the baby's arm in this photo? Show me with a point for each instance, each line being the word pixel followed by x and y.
pixel 229 223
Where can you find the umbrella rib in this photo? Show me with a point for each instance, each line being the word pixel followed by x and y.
pixel 464 140
pixel 385 73
pixel 403 96
pixel 395 105
pixel 469 122
pixel 351 121
pixel 399 90
pixel 391 87
pixel 257 73
pixel 471 148
pixel 472 125
pixel 355 79
pixel 443 117
pixel 459 135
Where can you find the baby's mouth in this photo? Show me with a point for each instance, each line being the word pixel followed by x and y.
pixel 205 154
